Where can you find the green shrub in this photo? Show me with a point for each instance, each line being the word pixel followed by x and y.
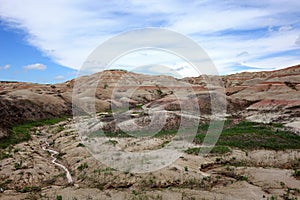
pixel 80 145
pixel 186 168
pixel 58 197
pixel 242 178
pixel 82 166
pixel 18 165
pixel 4 155
pixel 296 173
pixel 112 142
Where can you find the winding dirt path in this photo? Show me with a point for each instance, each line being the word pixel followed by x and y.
pixel 53 155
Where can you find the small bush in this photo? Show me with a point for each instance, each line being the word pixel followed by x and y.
pixel 186 168
pixel 242 178
pixel 18 165
pixel 296 174
pixel 82 166
pixel 61 128
pixel 112 142
pixel 4 155
pixel 60 155
pixel 58 197
pixel 80 145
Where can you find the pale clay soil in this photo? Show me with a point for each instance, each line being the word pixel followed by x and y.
pixel 268 173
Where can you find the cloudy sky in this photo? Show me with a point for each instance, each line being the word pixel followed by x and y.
pixel 48 41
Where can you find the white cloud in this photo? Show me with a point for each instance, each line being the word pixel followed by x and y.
pixel 59 77
pixel 5 67
pixel 36 66
pixel 67 31
pixel 297 42
pixel 285 28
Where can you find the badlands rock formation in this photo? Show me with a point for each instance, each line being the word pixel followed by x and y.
pixel 122 99
pixel 261 96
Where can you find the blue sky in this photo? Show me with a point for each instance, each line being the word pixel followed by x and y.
pixel 23 62
pixel 48 41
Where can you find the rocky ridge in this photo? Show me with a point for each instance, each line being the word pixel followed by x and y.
pixel 262 96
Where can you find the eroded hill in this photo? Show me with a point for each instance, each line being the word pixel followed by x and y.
pixel 251 160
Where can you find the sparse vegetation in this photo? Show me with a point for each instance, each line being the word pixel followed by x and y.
pixel 18 165
pixel 244 162
pixel 296 173
pixel 251 135
pixel 112 142
pixel 215 150
pixel 186 168
pixel 272 198
pixel 4 155
pixel 244 135
pixel 61 127
pixel 230 172
pixel 80 145
pixel 21 132
pixel 164 144
pixel 4 184
pixel 16 150
pixel 242 178
pixel 139 106
pixel 60 155
pixel 108 134
pixel 159 91
pixel 82 166
pixel 166 132
pixel 59 197
pixel 290 194
pixel 30 189
pixel 107 171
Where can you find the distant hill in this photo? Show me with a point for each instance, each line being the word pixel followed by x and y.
pixel 268 96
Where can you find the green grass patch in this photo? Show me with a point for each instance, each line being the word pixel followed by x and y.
pixel 244 135
pixel 30 189
pixel 101 133
pixel 166 133
pixel 21 133
pixel 132 134
pixel 215 150
pixel 251 135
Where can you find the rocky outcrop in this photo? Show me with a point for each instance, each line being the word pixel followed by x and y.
pixel 267 96
pixel 259 92
pixel 31 102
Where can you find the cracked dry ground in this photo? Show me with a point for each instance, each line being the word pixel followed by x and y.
pixel 29 173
